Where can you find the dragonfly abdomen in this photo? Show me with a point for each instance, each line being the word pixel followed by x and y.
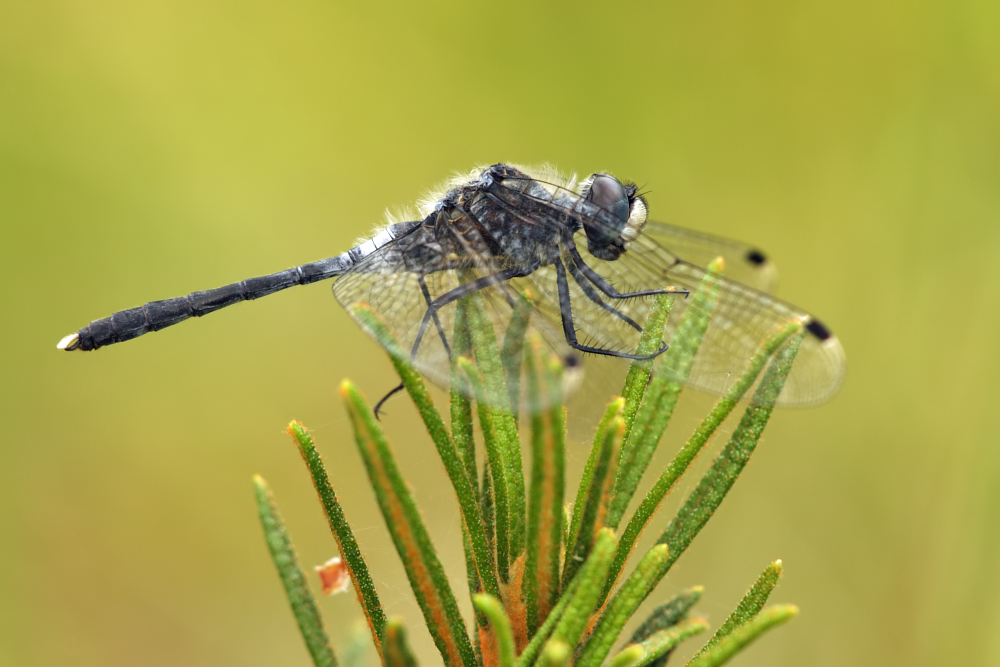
pixel 155 315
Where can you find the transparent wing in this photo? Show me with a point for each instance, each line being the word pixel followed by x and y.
pixel 387 282
pixel 741 321
pixel 597 321
pixel 574 294
pixel 744 263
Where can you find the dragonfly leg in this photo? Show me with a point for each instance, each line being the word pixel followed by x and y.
pixel 592 294
pixel 437 320
pixel 566 311
pixel 392 392
pixel 608 288
pixel 458 293
pixel 440 302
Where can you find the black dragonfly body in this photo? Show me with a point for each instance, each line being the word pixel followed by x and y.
pixel 583 253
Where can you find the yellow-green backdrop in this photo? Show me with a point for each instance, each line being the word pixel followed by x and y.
pixel 151 149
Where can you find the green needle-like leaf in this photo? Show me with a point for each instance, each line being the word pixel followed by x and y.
pixel 471 571
pixel 655 648
pixel 531 651
pixel 464 439
pixel 548 480
pixel 574 620
pixel 622 606
pixel 497 398
pixel 296 588
pixel 660 398
pixel 512 351
pixel 595 499
pixel 556 654
pixel 613 412
pixel 494 611
pixel 667 614
pixel 745 634
pixel 364 587
pixel 355 647
pixel 496 466
pixel 716 482
pixel 673 472
pixel 749 606
pixel 461 405
pixel 627 657
pixel 487 502
pixel 427 578
pixel 638 373
pixel 397 648
pixel 462 483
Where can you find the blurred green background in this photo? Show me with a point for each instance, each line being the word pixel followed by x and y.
pixel 151 149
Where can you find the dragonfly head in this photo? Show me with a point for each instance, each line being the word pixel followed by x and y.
pixel 627 211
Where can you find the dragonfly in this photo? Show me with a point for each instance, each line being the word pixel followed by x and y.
pixel 586 253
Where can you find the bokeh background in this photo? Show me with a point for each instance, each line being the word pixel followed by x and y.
pixel 151 149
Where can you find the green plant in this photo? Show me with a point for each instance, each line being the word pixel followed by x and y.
pixel 548 584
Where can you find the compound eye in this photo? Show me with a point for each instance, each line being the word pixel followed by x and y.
pixel 608 193
pixel 604 237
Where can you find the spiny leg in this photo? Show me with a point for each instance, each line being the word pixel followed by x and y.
pixel 566 311
pixel 457 293
pixel 592 294
pixel 444 341
pixel 437 320
pixel 443 300
pixel 608 288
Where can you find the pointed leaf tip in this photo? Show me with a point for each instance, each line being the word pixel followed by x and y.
pixel 397 647
pixel 730 645
pixel 556 654
pixel 749 607
pixel 630 655
pixel 346 388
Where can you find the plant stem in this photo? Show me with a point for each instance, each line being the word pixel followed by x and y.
pixel 364 587
pixel 745 634
pixel 673 472
pixel 661 396
pixel 494 611
pixel 749 606
pixel 296 589
pixel 423 568
pixel 595 497
pixel 548 480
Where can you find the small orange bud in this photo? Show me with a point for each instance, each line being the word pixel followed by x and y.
pixel 333 576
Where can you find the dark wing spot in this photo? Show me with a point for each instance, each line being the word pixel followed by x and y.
pixel 571 361
pixel 756 257
pixel 816 328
